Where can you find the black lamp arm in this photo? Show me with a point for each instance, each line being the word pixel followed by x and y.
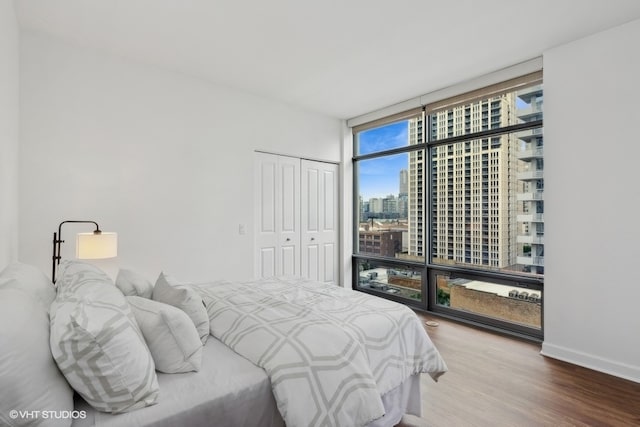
pixel 57 240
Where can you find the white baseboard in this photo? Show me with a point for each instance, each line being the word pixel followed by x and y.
pixel 611 367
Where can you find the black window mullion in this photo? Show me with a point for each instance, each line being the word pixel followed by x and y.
pixel 487 133
pixel 429 189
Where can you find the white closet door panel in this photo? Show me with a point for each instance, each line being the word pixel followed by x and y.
pixel 312 261
pixel 267 262
pixel 277 217
pixel 310 219
pixel 330 194
pixel 329 273
pixel 289 261
pixel 289 192
pixel 266 237
pixel 311 192
pixel 267 203
pixel 329 230
pixel 319 227
pixel 289 216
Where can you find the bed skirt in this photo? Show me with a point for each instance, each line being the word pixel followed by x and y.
pixel 404 399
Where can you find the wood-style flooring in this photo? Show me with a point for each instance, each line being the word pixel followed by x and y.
pixel 496 380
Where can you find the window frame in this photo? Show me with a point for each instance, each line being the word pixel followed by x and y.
pixel 429 269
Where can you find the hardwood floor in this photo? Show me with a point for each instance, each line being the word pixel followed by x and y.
pixel 495 380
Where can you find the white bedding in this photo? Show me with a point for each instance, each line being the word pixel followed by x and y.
pixel 228 383
pixel 218 395
pixel 330 352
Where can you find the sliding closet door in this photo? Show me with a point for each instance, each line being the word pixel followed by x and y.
pixel 320 221
pixel 277 198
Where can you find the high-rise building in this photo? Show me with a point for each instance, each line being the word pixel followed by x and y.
pixel 474 184
pixel 531 213
pixel 415 189
pixel 363 208
pixel 375 205
pixel 471 186
pixel 390 206
pixel 403 194
pixel 403 189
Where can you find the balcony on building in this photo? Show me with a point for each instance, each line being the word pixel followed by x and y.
pixel 530 153
pixel 537 261
pixel 535 217
pixel 531 196
pixel 530 239
pixel 531 175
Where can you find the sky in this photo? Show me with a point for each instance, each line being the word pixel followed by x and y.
pixel 381 177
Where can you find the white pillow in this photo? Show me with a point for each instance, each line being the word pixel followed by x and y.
pixel 169 291
pixel 133 284
pixel 170 334
pixel 29 377
pixel 29 279
pixel 97 344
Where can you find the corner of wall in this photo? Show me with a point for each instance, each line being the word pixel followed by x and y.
pixel 346 184
pixel 9 110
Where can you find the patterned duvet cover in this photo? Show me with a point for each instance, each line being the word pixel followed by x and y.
pixel 330 352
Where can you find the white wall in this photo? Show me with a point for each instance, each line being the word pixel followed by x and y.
pixel 163 159
pixel 9 107
pixel 592 238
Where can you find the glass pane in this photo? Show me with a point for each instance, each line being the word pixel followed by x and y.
pixel 394 135
pixel 390 206
pixel 402 281
pixel 512 304
pixel 487 204
pixel 491 113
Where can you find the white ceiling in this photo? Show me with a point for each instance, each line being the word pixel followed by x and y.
pixel 342 58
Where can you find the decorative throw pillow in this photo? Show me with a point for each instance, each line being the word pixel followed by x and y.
pixel 170 334
pixel 169 291
pixel 97 344
pixel 29 378
pixel 29 279
pixel 133 284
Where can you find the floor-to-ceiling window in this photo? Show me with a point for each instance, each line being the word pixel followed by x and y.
pixel 449 206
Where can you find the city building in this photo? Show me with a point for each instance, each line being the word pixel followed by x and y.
pixel 380 242
pixel 416 191
pixel 486 194
pixel 530 218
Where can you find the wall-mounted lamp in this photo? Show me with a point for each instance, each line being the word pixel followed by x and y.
pixel 96 245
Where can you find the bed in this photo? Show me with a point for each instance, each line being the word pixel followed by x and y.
pixel 330 352
pixel 229 391
pixel 280 351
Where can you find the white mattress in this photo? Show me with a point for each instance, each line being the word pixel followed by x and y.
pixel 219 395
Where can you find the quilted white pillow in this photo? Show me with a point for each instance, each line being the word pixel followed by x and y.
pixel 169 291
pixel 133 284
pixel 29 378
pixel 170 334
pixel 97 344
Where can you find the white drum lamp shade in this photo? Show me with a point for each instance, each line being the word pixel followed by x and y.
pixel 96 245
